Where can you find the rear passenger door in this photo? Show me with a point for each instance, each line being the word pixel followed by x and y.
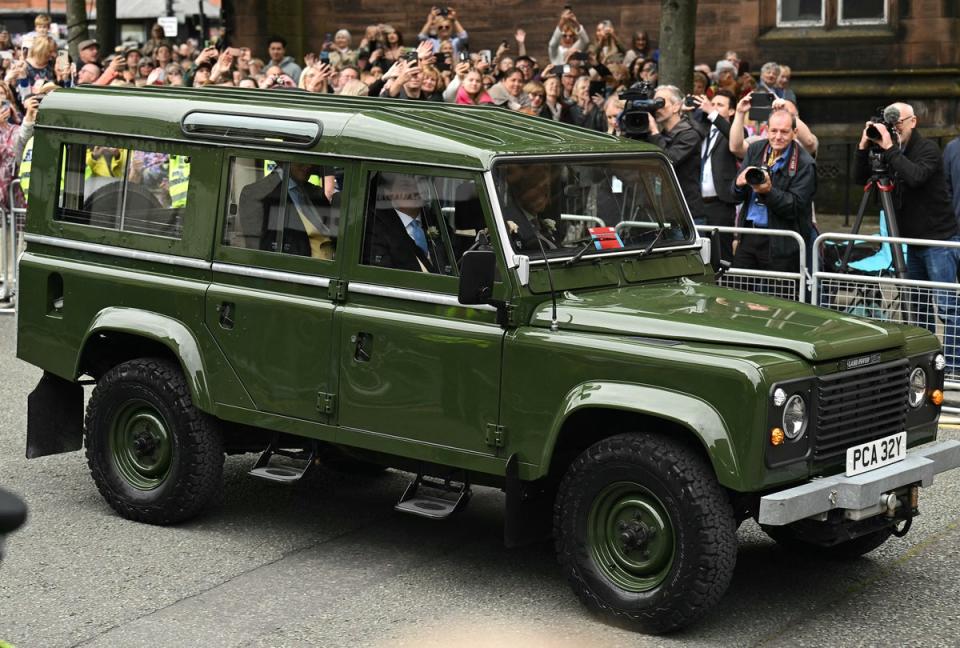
pixel 270 304
pixel 419 373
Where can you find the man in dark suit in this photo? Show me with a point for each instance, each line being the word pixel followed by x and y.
pixel 784 200
pixel 308 222
pixel 398 230
pixel 718 166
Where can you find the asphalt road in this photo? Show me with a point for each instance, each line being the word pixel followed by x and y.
pixel 328 563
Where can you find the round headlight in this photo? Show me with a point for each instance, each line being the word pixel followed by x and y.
pixel 779 397
pixel 918 387
pixel 939 362
pixel 795 417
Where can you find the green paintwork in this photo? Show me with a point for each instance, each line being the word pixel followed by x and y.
pixel 690 311
pixel 630 536
pixel 651 342
pixel 164 329
pixel 140 445
pixel 693 413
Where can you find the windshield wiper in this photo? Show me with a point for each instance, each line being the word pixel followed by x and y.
pixel 656 239
pixel 576 257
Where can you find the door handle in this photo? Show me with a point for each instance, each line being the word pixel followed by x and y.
pixel 226 310
pixel 363 343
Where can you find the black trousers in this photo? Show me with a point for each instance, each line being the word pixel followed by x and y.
pixel 753 253
pixel 723 214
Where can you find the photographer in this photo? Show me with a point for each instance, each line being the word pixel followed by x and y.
pixel 923 209
pixel 718 166
pixel 777 186
pixel 681 142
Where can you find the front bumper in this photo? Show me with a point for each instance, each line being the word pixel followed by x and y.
pixel 860 493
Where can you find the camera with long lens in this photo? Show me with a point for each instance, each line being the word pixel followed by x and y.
pixel 756 175
pixel 638 104
pixel 889 117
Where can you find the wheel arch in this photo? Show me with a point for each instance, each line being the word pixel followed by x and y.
pixel 596 410
pixel 118 334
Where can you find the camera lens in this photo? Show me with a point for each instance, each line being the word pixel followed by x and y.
pixel 755 176
pixel 872 132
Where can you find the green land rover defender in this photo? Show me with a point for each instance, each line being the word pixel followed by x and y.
pixel 478 297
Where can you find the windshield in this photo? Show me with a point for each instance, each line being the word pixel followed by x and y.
pixel 612 205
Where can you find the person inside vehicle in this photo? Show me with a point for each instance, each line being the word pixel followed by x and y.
pixel 398 229
pixel 531 218
pixel 309 224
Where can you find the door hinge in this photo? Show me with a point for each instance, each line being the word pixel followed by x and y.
pixel 326 402
pixel 496 436
pixel 337 289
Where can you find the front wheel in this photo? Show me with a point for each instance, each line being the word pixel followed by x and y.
pixel 154 457
pixel 644 532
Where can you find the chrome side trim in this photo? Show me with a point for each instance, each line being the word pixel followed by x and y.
pixel 413 295
pixel 273 275
pixel 125 253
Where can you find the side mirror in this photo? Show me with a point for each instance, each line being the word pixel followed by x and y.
pixel 476 277
pixel 716 261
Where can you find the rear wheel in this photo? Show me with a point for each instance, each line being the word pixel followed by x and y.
pixel 154 457
pixel 644 532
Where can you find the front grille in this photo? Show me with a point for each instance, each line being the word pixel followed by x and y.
pixel 859 406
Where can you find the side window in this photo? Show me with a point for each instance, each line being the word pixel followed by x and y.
pixel 287 207
pixel 129 190
pixel 420 223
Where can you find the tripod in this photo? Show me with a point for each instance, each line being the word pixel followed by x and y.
pixel 880 183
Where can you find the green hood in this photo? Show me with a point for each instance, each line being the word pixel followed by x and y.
pixel 695 312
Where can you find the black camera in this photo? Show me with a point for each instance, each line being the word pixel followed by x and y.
pixel 690 101
pixel 756 175
pixel 443 11
pixel 889 117
pixel 639 102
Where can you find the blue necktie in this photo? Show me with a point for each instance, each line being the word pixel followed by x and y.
pixel 416 229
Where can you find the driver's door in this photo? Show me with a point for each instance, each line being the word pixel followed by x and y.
pixel 416 367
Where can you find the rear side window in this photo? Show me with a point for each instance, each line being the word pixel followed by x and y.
pixel 129 190
pixel 286 207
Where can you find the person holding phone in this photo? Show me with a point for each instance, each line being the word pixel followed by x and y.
pixel 569 35
pixel 739 141
pixel 444 26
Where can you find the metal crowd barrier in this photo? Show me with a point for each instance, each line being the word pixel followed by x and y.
pixel 883 296
pixel 12 220
pixel 788 285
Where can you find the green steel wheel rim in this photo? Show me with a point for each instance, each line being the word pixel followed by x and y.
pixel 141 445
pixel 630 536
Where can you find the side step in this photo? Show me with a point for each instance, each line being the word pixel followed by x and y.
pixel 286 473
pixel 434 498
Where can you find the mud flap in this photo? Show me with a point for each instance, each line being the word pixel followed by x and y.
pixel 54 417
pixel 528 516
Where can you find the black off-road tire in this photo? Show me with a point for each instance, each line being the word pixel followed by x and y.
pixel 194 469
pixel 704 531
pixel 846 550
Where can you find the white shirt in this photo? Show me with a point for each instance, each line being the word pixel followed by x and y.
pixel 707 189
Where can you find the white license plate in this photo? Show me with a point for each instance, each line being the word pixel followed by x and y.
pixel 882 452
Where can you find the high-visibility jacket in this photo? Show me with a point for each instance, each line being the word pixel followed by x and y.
pixel 26 161
pixel 99 167
pixel 178 177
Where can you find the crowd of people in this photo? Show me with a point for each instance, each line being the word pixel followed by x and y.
pixel 707 134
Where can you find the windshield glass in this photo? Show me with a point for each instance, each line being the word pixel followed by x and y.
pixel 563 204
